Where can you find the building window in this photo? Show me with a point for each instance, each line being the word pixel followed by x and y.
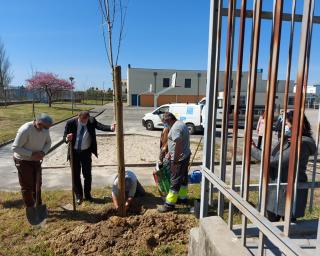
pixel 187 83
pixel 291 100
pixel 166 82
pixel 242 101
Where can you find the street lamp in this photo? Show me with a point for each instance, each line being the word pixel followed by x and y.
pixel 198 90
pixel 155 81
pixel 71 80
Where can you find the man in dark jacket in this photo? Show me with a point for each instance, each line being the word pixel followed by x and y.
pixel 81 131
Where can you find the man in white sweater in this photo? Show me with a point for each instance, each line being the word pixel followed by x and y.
pixel 31 144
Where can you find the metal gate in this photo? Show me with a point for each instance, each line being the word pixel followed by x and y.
pixel 215 176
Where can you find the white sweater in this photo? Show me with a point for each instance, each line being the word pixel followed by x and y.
pixel 28 140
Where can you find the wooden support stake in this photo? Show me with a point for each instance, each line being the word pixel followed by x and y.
pixel 120 144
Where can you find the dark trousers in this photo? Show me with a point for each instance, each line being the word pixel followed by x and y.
pixel 259 142
pixel 140 192
pixel 179 174
pixel 27 173
pixel 82 161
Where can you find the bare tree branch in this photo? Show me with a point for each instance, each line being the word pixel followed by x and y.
pixel 109 33
pixel 123 15
pixel 102 9
pixel 111 9
pixel 105 43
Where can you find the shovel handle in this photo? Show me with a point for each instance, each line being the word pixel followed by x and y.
pixel 194 154
pixel 72 174
pixel 38 185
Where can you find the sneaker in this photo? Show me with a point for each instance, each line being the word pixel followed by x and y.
pixel 78 200
pixel 165 208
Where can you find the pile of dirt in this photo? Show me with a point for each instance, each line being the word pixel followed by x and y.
pixel 115 235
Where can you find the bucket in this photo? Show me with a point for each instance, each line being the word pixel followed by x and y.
pixel 195 177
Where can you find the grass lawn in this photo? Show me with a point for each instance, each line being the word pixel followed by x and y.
pixel 18 238
pixel 95 102
pixel 12 117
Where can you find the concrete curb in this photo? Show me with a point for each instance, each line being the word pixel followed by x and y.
pixel 6 143
pixel 115 165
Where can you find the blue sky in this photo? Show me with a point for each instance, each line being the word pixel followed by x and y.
pixel 65 37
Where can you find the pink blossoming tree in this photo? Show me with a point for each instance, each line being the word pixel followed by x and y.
pixel 48 82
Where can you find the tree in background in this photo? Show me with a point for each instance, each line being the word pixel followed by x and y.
pixel 49 83
pixel 5 74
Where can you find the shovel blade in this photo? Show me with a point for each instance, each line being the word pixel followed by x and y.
pixel 67 207
pixel 36 215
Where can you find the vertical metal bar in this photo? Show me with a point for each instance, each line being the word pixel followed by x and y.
pixel 253 81
pixel 297 112
pixel 269 114
pixel 237 103
pixel 267 98
pixel 242 181
pixel 305 85
pixel 247 104
pixel 210 103
pixel 226 95
pixel 218 22
pixel 295 186
pixel 315 166
pixel 285 100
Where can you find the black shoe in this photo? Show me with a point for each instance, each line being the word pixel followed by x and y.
pixel 183 201
pixel 78 200
pixel 166 208
pixel 294 220
pixel 89 198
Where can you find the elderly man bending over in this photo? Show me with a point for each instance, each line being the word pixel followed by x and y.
pixel 31 144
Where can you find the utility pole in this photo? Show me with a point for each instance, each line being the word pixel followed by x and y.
pixel 120 144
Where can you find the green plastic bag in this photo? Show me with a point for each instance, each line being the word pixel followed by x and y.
pixel 162 178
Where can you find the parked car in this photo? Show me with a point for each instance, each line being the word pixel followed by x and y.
pixel 190 114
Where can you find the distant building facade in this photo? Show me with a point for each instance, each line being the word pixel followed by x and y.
pixel 313 95
pixel 144 83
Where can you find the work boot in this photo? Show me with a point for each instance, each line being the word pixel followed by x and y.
pixel 183 201
pixel 166 208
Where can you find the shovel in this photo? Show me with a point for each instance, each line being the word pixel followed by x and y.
pixel 72 175
pixel 71 207
pixel 36 215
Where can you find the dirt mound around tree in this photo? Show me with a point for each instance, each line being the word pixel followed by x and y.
pixel 117 236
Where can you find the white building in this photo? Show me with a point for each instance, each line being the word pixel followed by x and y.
pixel 191 87
pixel 313 95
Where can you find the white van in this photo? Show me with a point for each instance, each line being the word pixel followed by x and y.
pixel 190 114
pixel 204 110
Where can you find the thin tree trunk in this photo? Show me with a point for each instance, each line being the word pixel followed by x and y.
pixel 120 143
pixel 49 95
